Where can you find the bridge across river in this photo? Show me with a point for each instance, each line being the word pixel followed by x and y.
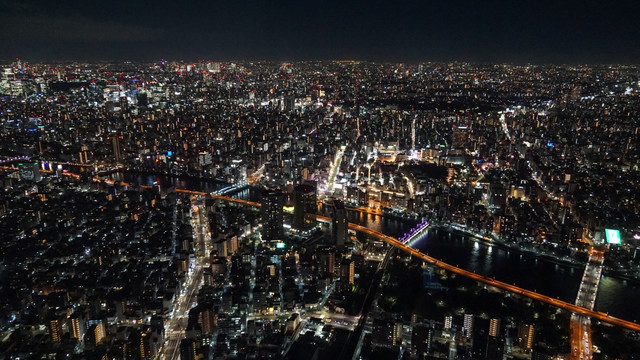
pixel 577 309
pixel 580 324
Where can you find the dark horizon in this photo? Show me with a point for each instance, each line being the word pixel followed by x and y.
pixel 540 32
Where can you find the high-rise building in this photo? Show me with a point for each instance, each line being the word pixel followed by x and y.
pixel 494 327
pixel 304 206
pixel 497 194
pixel 363 197
pixel 77 325
pixel 207 320
pixel 55 329
pixel 467 326
pixel 448 322
pixel 116 147
pixel 526 333
pixel 83 154
pixel 272 215
pixel 347 273
pixel 99 332
pixel 327 261
pixel 339 225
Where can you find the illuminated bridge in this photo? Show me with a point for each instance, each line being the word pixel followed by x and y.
pixel 577 309
pixel 416 233
pixel 580 324
pixel 232 188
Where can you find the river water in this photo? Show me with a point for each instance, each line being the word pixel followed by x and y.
pixel 615 296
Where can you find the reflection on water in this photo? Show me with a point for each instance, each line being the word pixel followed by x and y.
pixel 615 296
pixel 546 277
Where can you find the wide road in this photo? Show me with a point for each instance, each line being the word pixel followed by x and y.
pixel 454 269
pixel 174 331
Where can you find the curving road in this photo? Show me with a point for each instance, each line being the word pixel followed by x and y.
pixel 454 269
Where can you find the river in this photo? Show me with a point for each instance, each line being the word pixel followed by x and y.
pixel 615 296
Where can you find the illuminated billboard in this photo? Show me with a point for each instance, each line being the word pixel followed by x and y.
pixel 280 245
pixel 612 236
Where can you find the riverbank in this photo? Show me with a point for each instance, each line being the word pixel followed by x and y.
pixel 531 253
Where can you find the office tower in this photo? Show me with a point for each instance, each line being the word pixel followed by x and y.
pixel 304 206
pixel 339 225
pixel 467 326
pixel 116 147
pixel 494 327
pixel 55 330
pixel 272 215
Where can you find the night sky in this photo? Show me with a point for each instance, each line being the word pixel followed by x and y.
pixel 518 31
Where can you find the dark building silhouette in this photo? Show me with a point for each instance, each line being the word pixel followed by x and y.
pixel 272 214
pixel 304 206
pixel 339 224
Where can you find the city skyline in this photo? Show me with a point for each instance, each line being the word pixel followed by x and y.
pixel 337 180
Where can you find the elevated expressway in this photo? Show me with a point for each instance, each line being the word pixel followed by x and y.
pixel 580 324
pixel 576 309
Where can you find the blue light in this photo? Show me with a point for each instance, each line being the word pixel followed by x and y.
pixel 169 153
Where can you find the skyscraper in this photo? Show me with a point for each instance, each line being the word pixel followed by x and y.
pixel 339 225
pixel 116 147
pixel 272 215
pixel 304 206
